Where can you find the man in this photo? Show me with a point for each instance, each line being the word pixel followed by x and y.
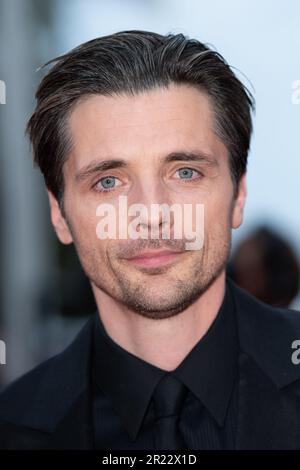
pixel 177 356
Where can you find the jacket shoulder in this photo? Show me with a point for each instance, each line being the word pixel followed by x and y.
pixel 42 393
pixel 23 390
pixel 268 335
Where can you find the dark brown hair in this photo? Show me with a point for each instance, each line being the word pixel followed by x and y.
pixel 132 62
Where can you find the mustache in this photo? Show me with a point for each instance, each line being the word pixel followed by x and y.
pixel 134 248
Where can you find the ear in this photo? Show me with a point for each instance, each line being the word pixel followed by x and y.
pixel 58 221
pixel 239 203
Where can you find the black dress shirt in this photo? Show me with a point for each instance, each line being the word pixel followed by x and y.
pixel 50 407
pixel 123 385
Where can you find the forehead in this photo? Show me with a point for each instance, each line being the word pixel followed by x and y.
pixel 147 125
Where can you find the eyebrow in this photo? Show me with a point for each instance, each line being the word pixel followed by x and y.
pixel 199 157
pixel 98 166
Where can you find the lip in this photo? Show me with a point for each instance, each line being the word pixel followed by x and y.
pixel 155 258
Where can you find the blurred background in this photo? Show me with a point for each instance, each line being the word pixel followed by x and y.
pixel 45 297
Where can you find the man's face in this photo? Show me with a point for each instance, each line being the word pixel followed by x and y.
pixel 144 131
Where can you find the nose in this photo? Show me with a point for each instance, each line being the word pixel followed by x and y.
pixel 154 210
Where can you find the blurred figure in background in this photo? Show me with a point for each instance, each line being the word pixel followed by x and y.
pixel 266 265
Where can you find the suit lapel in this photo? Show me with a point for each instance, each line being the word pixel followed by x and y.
pixel 56 406
pixel 268 417
pixel 72 426
pixel 269 385
pixel 75 430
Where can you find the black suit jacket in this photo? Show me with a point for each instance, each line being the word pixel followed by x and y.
pixel 50 407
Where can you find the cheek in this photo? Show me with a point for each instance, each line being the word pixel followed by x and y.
pixel 84 235
pixel 217 216
pixel 84 219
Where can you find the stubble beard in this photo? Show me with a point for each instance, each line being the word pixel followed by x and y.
pixel 145 297
pixel 152 296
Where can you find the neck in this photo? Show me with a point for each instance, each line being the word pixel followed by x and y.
pixel 163 343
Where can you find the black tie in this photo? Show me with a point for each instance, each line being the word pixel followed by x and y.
pixel 168 399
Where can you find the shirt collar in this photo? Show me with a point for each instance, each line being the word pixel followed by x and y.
pixel 211 367
pixel 209 370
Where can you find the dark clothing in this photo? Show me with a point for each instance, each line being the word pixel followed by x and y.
pixel 51 406
pixel 124 385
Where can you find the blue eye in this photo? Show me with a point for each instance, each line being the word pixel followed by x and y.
pixel 186 173
pixel 107 183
